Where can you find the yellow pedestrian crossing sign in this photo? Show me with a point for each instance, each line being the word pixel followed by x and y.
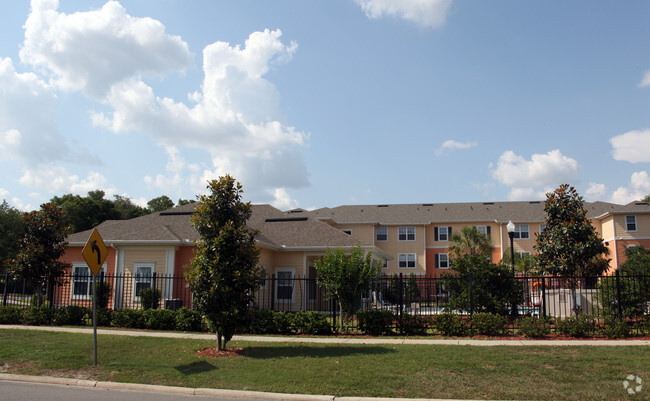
pixel 95 252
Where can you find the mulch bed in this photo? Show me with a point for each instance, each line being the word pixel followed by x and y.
pixel 213 353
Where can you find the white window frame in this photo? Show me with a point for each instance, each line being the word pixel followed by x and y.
pixel 628 223
pixel 405 234
pixel 377 234
pixel 444 237
pixel 542 227
pixel 292 271
pixel 441 261
pixel 522 253
pixel 89 282
pixel 482 229
pixel 137 278
pixel 407 259
pixel 520 231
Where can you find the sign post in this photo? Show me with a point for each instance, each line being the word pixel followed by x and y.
pixel 94 254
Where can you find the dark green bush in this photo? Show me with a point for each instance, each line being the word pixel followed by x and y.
pixel 71 315
pixel 312 323
pixel 104 317
pixel 375 322
pixel 148 298
pixel 615 328
pixel 128 318
pixel 42 316
pixel 262 322
pixel 159 319
pixel 103 293
pixel 413 325
pixel 10 315
pixel 489 324
pixel 188 320
pixel 534 327
pixel 643 326
pixel 284 322
pixel 582 326
pixel 449 324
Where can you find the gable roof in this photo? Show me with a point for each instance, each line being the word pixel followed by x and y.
pixel 275 229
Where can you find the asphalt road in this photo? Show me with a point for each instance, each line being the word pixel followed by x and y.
pixel 21 391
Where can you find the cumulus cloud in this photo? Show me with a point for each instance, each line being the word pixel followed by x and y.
pixel 425 13
pixel 282 200
pixel 632 146
pixel 57 179
pixel 455 145
pixel 637 189
pixel 596 192
pixel 531 179
pixel 92 51
pixel 236 117
pixel 646 80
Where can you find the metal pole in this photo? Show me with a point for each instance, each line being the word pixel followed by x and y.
pixel 618 295
pixel 95 319
pixel 512 261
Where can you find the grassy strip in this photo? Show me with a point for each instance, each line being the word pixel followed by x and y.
pixel 542 373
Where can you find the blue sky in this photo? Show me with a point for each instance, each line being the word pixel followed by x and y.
pixel 323 103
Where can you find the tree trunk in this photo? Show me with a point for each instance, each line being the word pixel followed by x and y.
pixel 341 316
pixel 574 302
pixel 219 338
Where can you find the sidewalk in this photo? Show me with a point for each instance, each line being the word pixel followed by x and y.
pixel 344 340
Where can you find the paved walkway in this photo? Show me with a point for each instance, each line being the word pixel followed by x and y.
pixel 344 340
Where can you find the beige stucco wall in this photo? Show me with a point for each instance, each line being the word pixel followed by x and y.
pixel 394 247
pixel 133 256
pixel 642 226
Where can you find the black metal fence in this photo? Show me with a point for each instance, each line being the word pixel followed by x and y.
pixel 618 296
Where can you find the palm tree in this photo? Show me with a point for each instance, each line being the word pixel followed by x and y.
pixel 470 242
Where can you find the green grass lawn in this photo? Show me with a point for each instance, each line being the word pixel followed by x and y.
pixel 414 371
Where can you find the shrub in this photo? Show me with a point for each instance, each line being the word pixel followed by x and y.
pixel 643 326
pixel 413 325
pixel 128 318
pixel 581 326
pixel 284 322
pixel 375 322
pixel 188 320
pixel 449 324
pixel 534 327
pixel 10 315
pixel 159 319
pixel 42 316
pixel 312 323
pixel 103 293
pixel 104 316
pixel 149 297
pixel 71 315
pixel 615 328
pixel 489 324
pixel 262 322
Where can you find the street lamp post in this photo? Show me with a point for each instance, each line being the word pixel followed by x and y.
pixel 511 233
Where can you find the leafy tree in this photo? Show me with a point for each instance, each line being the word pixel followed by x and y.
pixel 492 285
pixel 41 247
pixel 160 203
pixel 85 213
pixel 470 242
pixel 412 289
pixel 634 285
pixel 526 263
pixel 223 274
pixel 569 246
pixel 183 202
pixel 12 228
pixel 344 277
pixel 126 209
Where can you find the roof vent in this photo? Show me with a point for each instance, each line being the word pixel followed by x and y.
pixel 295 211
pixel 427 204
pixel 534 202
pixel 382 205
pixel 285 219
pixel 641 203
pixel 488 203
pixel 172 213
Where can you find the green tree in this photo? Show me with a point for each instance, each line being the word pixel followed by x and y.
pixel 469 242
pixel 634 285
pixel 41 247
pixel 12 228
pixel 183 202
pixel 526 263
pixel 569 246
pixel 223 275
pixel 344 277
pixel 84 213
pixel 126 209
pixel 160 203
pixel 486 286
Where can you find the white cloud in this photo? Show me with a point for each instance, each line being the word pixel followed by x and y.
pixel 596 192
pixel 638 189
pixel 3 193
pixel 56 179
pixel 455 145
pixel 426 13
pixel 91 51
pixel 646 80
pixel 236 117
pixel 632 146
pixel 531 179
pixel 283 200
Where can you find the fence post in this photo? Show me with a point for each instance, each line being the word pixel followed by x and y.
pixel 400 289
pixel 471 295
pixel 543 300
pixel 618 296
pixel 273 291
pixel 153 291
pixel 100 293
pixel 4 291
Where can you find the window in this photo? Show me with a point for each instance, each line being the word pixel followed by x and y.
pixel 542 227
pixel 284 286
pixel 630 223
pixel 442 233
pixel 82 279
pixel 442 261
pixel 521 231
pixel 406 234
pixel 522 254
pixel 381 234
pixel 385 264
pixel 485 230
pixel 143 277
pixel 406 260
